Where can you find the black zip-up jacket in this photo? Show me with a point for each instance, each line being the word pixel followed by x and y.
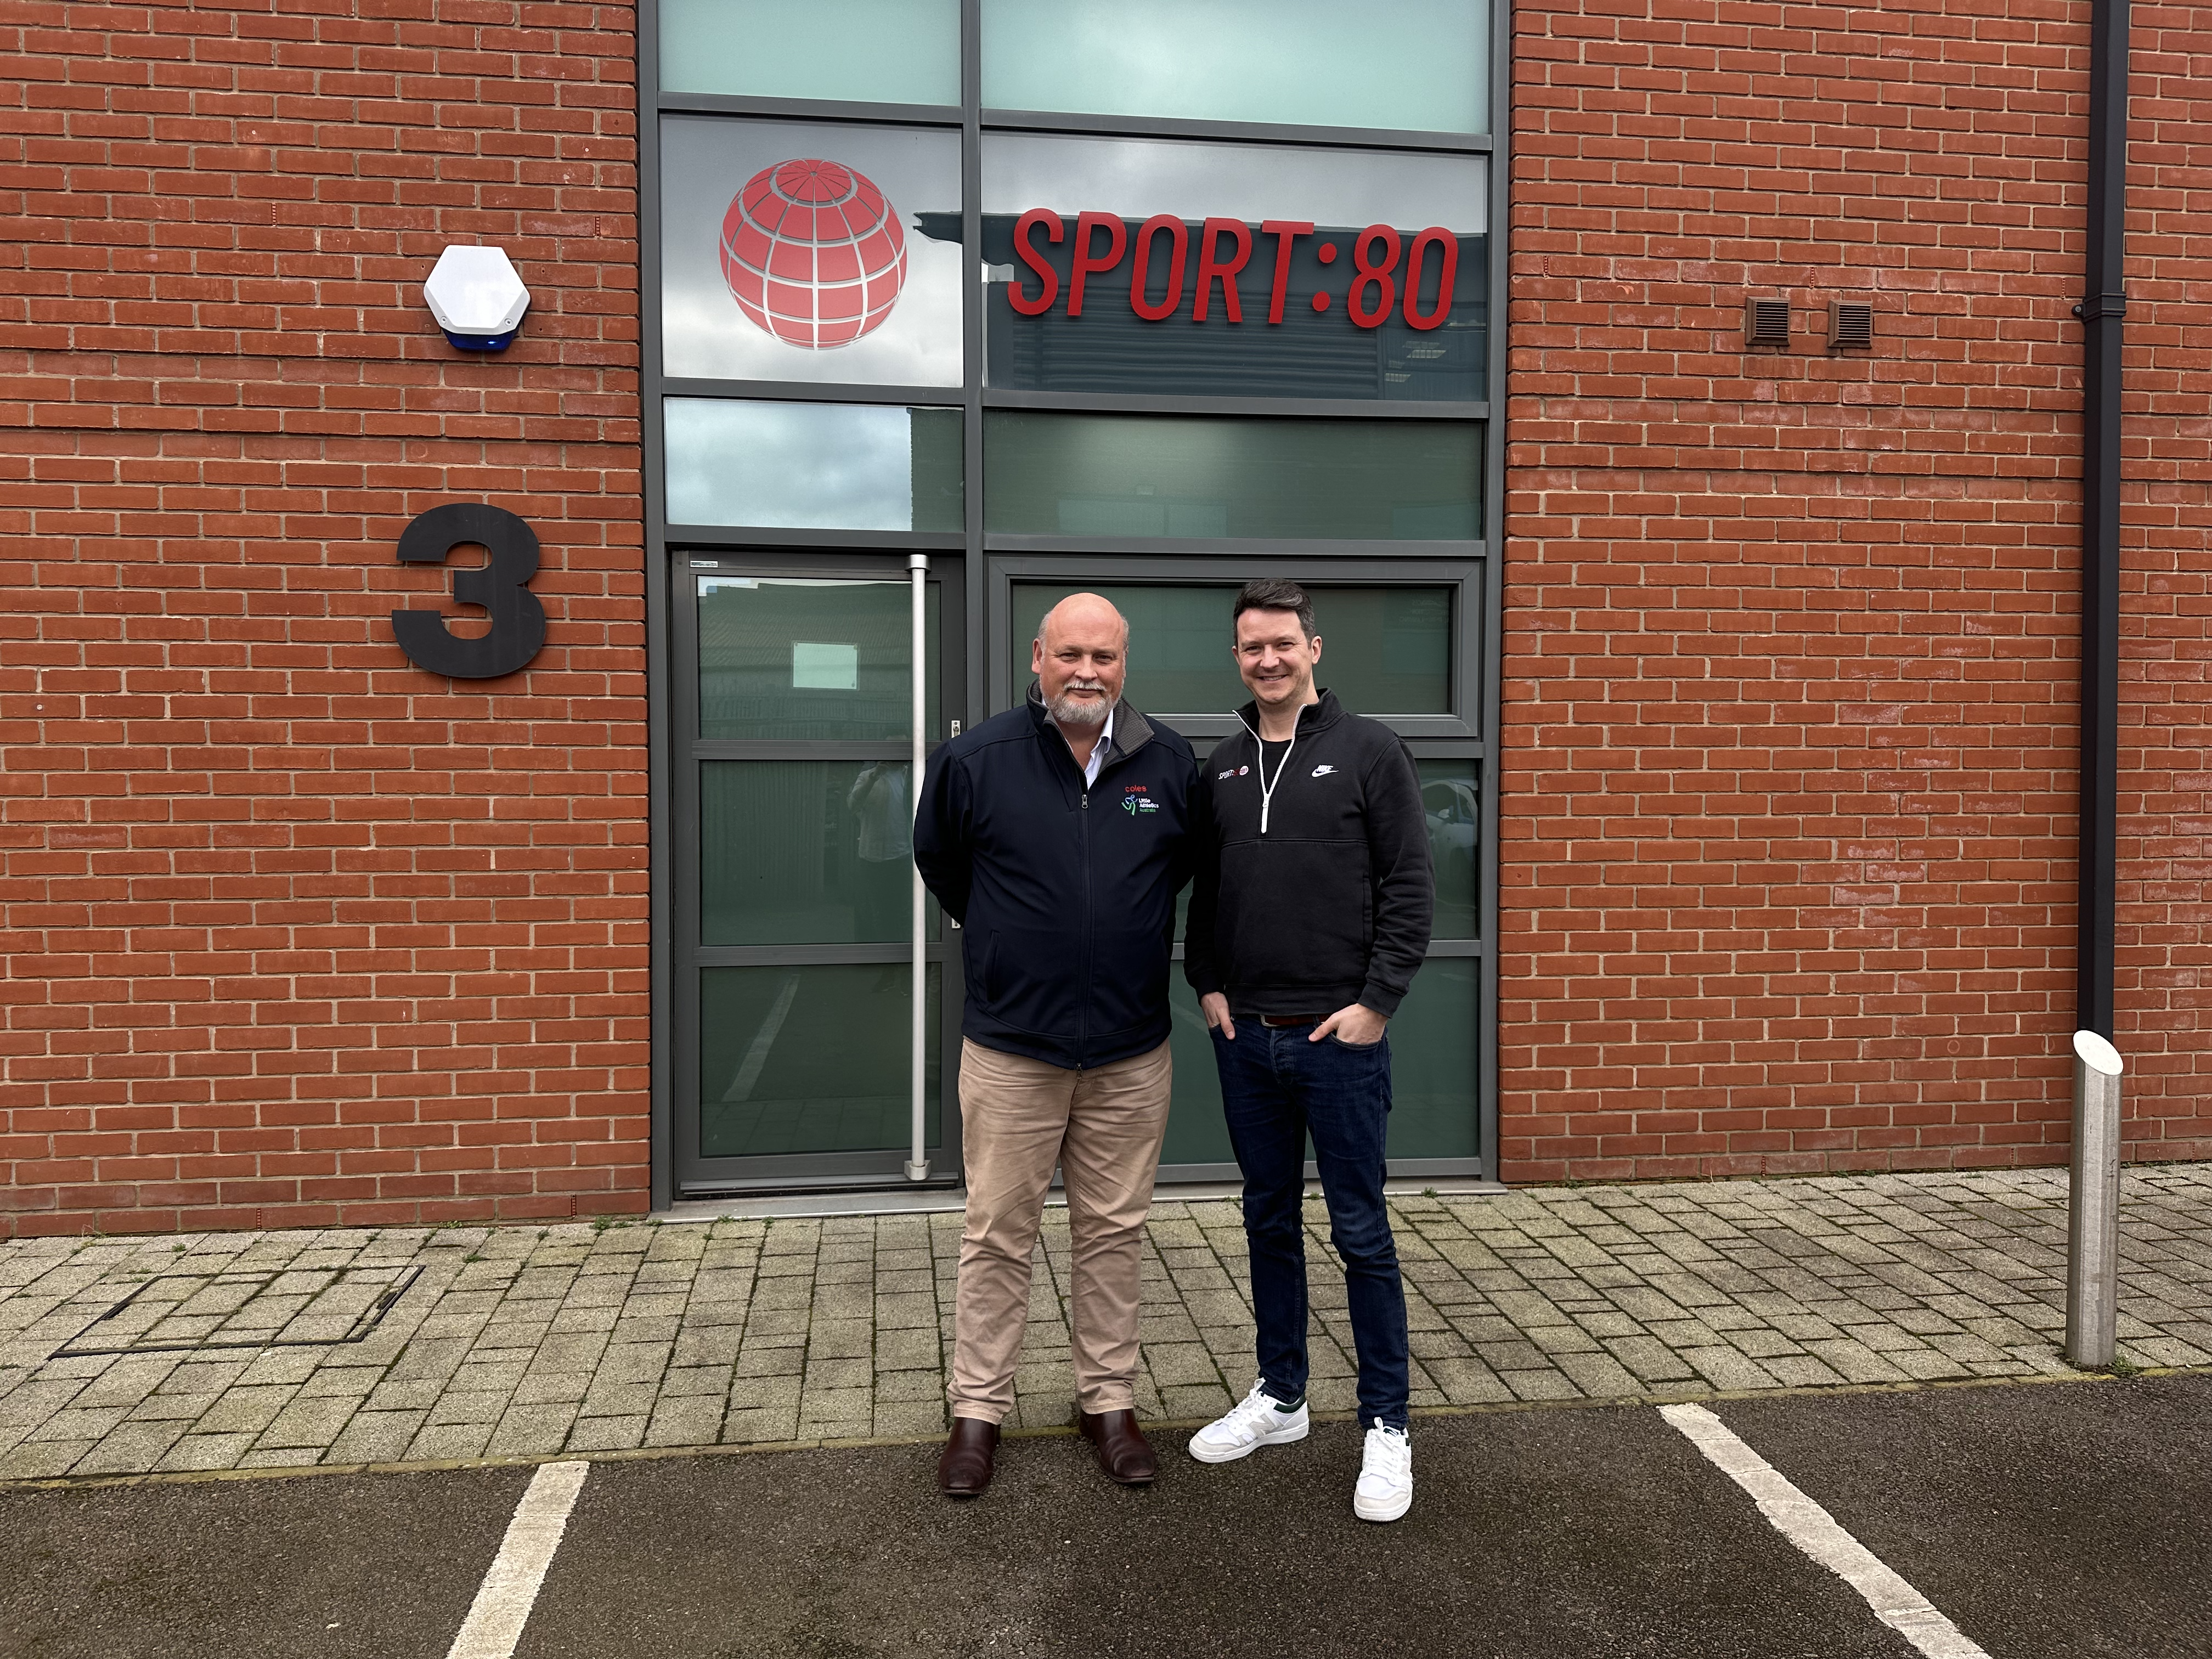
pixel 1332 904
pixel 1065 894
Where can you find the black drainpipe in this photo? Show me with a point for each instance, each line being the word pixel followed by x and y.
pixel 2102 311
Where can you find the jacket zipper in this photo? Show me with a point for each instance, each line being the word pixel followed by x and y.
pixel 1083 1031
pixel 1260 765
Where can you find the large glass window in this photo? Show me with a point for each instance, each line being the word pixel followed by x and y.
pixel 1234 269
pixel 1197 476
pixel 815 466
pixel 810 250
pixel 1384 650
pixel 1226 312
pixel 1410 64
pixel 883 51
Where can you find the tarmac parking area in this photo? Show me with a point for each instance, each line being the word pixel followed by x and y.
pixel 2056 1521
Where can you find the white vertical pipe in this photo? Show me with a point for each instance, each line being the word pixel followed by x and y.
pixel 2092 1208
pixel 917 1163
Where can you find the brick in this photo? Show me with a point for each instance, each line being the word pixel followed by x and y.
pixel 296 934
pixel 1788 828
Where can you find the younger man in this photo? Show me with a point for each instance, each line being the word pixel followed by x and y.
pixel 1309 915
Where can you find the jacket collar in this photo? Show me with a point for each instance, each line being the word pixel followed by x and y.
pixel 1132 731
pixel 1314 717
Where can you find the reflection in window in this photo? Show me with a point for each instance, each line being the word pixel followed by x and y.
pixel 791 658
pixel 1192 477
pixel 882 52
pixel 810 1059
pixel 1385 651
pixel 806 851
pixel 812 466
pixel 1417 64
pixel 1453 812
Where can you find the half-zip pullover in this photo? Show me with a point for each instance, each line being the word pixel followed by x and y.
pixel 1331 903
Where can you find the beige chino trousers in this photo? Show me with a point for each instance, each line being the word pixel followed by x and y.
pixel 1103 1126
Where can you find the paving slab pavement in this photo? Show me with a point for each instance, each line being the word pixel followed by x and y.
pixel 120 1357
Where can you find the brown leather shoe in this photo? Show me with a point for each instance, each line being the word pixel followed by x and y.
pixel 964 1469
pixel 1123 1451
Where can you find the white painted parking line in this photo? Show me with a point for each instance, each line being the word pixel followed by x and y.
pixel 1814 1531
pixel 509 1590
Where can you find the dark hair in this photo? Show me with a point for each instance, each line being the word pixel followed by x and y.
pixel 1274 593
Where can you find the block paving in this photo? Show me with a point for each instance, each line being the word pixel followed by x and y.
pixel 532 1342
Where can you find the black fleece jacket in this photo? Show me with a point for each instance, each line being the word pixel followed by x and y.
pixel 1064 894
pixel 1332 904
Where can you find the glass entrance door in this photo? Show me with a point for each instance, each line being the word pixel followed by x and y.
pixel 794 806
pixel 1399 643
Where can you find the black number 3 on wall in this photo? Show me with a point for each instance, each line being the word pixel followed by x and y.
pixel 501 587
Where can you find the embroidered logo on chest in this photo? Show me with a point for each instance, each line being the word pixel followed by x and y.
pixel 1322 771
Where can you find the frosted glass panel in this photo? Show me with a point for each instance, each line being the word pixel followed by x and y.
pixel 886 52
pixel 1422 65
pixel 806 852
pixel 1432 1067
pixel 812 466
pixel 811 1058
pixel 1054 474
pixel 768 645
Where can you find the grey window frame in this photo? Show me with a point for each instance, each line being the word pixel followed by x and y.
pixel 692 1174
pixel 667 548
pixel 1209 566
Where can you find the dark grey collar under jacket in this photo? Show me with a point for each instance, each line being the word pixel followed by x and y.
pixel 1332 904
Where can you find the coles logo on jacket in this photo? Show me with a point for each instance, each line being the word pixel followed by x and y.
pixel 1135 800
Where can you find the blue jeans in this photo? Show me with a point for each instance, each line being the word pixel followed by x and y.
pixel 1277 1086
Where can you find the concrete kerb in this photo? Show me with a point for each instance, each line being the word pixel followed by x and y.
pixel 1065 1432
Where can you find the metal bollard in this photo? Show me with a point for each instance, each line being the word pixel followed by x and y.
pixel 2092 1210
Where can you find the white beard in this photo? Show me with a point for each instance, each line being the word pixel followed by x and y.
pixel 1068 711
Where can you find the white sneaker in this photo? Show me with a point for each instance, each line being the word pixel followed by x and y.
pixel 1385 1491
pixel 1255 1421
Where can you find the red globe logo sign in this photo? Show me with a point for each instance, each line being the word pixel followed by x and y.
pixel 813 252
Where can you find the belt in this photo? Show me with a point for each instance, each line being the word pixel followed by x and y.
pixel 1278 1021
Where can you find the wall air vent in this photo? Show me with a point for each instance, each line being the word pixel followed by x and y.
pixel 1766 322
pixel 1851 325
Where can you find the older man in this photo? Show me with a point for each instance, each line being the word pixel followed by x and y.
pixel 1056 834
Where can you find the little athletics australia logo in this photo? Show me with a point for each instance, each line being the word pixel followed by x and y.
pixel 814 253
pixel 1135 800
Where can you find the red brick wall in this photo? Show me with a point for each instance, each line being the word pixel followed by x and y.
pixel 1791 639
pixel 294 932
pixel 2165 931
